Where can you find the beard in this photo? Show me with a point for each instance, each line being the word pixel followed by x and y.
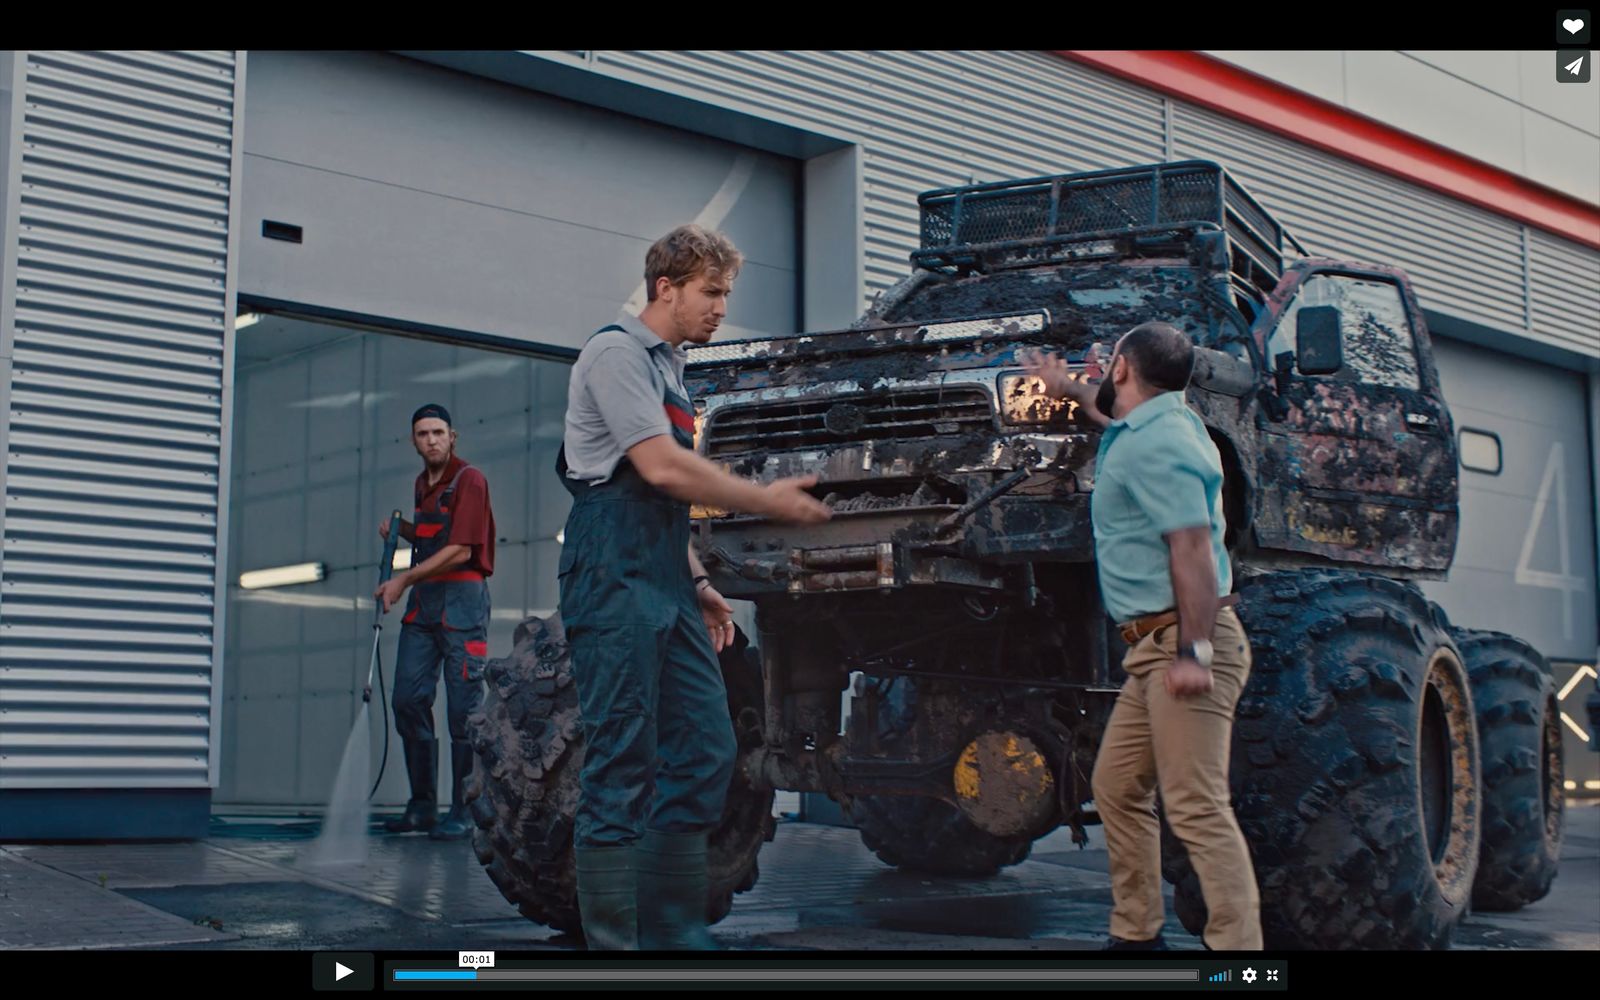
pixel 1106 398
pixel 434 465
pixel 690 328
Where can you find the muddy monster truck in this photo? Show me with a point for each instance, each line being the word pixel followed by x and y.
pixel 936 657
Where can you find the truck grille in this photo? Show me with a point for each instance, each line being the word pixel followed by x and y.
pixel 896 416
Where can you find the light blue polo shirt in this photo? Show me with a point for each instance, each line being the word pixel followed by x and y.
pixel 1157 471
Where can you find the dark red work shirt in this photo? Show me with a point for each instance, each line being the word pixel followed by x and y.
pixel 471 517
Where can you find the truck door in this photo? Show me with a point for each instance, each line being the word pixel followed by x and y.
pixel 1358 463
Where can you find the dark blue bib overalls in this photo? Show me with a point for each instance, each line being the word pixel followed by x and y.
pixel 446 622
pixel 659 745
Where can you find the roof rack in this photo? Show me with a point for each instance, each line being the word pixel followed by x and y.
pixel 1122 212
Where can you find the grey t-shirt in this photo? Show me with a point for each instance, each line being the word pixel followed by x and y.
pixel 614 396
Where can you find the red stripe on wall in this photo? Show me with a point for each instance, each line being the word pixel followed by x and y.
pixel 1240 94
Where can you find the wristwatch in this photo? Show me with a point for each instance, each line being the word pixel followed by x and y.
pixel 1199 651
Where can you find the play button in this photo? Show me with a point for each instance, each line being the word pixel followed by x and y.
pixel 342 971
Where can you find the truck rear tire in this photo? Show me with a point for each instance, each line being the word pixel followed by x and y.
pixel 1357 711
pixel 523 794
pixel 1519 730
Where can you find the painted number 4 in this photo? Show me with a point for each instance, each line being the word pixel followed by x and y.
pixel 1555 480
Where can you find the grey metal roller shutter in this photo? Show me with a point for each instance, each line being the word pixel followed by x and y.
pixel 114 457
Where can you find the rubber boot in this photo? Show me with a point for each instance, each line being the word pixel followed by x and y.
pixel 608 889
pixel 422 812
pixel 456 824
pixel 672 892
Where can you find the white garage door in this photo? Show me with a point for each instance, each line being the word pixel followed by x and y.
pixel 1525 562
pixel 451 201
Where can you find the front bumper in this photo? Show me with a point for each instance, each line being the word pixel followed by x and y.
pixel 887 535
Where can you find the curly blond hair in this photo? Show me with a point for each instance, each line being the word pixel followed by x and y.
pixel 688 252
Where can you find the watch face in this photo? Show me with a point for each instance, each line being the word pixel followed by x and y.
pixel 1202 651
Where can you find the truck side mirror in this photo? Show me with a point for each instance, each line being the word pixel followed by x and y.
pixel 1318 341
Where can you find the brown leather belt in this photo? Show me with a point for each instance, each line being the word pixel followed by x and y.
pixel 1137 629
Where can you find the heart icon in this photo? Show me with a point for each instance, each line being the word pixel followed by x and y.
pixel 1573 25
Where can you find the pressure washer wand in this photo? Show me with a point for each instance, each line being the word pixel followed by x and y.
pixel 385 571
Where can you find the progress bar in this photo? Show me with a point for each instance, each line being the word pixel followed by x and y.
pixel 789 975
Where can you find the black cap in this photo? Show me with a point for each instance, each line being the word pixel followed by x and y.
pixel 431 410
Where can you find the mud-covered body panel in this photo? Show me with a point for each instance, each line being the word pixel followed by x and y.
pixel 1368 476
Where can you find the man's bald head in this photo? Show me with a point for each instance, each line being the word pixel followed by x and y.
pixel 1161 356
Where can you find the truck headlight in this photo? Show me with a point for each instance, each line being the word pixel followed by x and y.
pixel 1023 401
pixel 700 512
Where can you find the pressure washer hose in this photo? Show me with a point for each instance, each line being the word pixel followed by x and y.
pixel 385 571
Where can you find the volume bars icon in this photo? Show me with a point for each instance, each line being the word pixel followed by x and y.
pixel 1226 976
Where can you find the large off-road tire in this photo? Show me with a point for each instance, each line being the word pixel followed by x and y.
pixel 523 794
pixel 1355 767
pixel 923 834
pixel 1519 734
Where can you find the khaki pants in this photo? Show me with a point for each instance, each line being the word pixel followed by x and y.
pixel 1182 746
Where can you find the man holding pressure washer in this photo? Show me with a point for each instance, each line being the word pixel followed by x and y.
pixel 446 620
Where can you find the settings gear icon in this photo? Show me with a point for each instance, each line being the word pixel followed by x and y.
pixel 1249 975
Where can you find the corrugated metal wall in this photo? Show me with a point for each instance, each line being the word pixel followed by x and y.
pixel 1464 260
pixel 1457 254
pixel 1563 289
pixel 924 119
pixel 930 119
pixel 114 469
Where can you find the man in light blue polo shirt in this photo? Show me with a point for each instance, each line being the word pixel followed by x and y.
pixel 1164 577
